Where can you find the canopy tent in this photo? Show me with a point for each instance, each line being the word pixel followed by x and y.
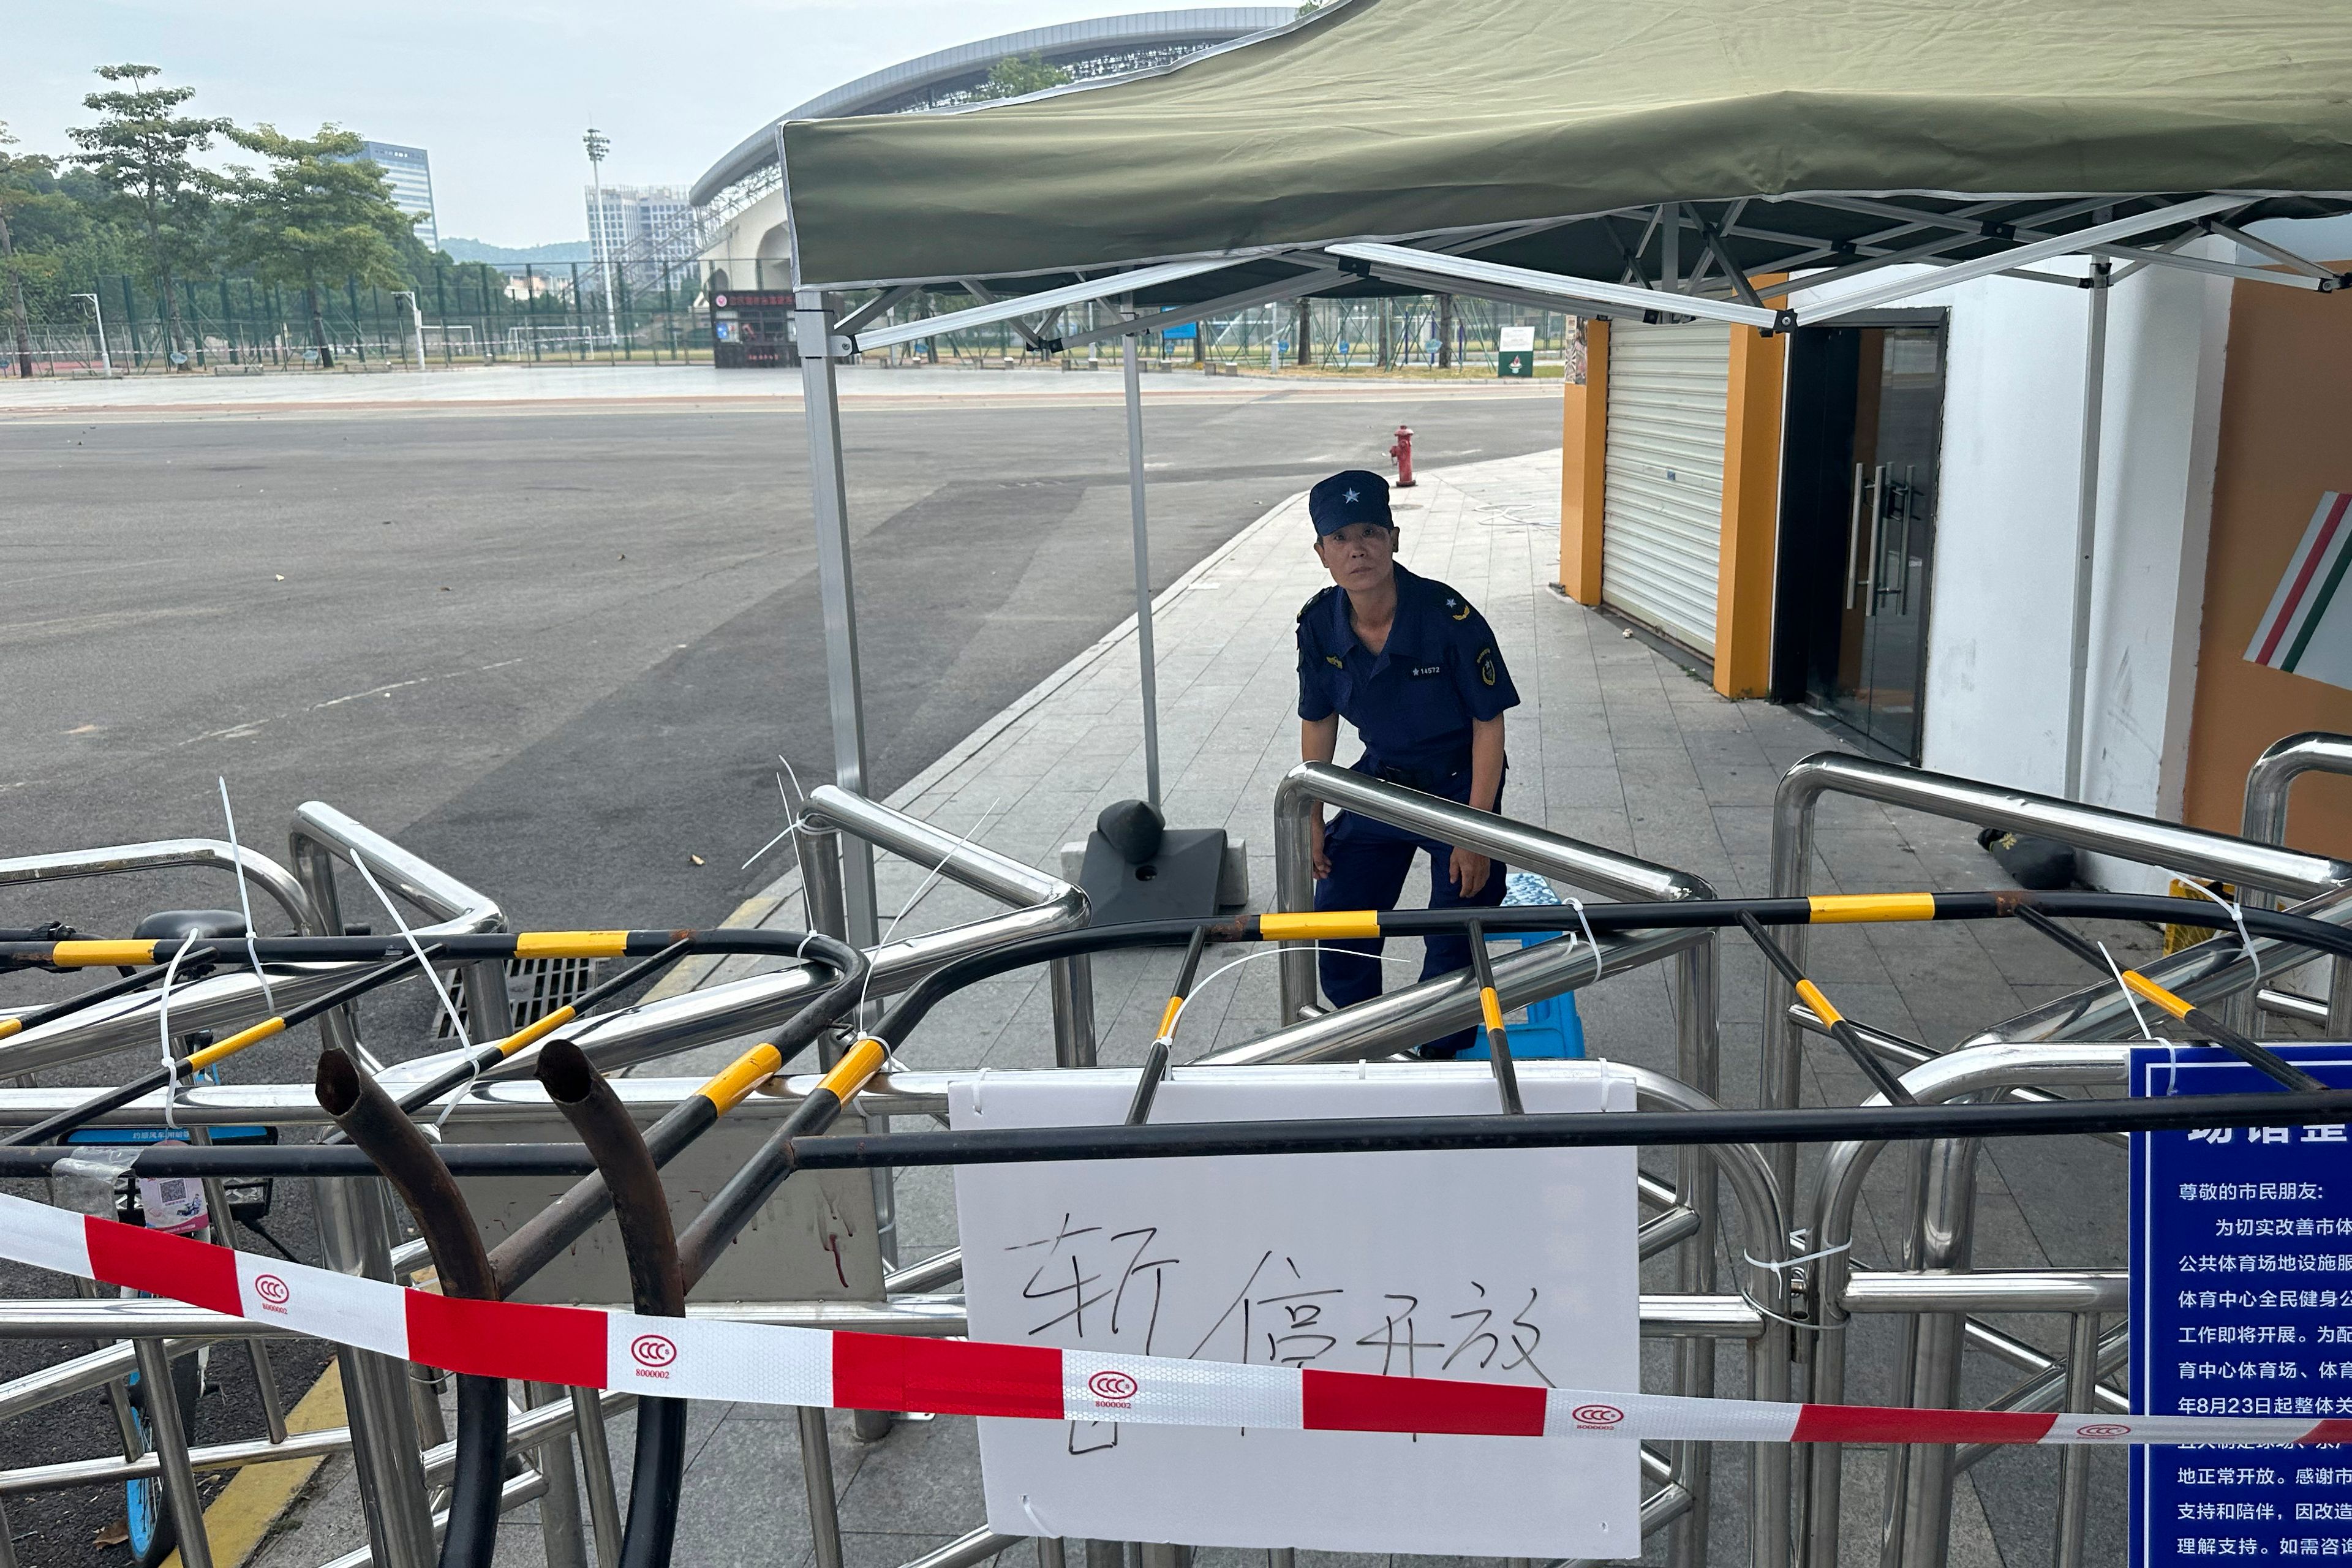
pixel 1651 158
pixel 1409 120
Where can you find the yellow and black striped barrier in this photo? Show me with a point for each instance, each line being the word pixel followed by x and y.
pixel 188 1067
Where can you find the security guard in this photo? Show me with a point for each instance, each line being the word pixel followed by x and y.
pixel 1414 669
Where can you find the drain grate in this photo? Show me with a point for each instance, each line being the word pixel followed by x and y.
pixel 535 987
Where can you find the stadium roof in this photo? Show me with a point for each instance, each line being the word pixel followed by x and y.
pixel 1144 32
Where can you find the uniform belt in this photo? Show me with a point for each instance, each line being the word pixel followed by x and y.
pixel 1427 780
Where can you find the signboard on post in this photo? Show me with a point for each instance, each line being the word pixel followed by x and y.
pixel 753 330
pixel 1502 1266
pixel 1516 351
pixel 2241 1305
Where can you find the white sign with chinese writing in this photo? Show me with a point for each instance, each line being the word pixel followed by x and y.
pixel 1512 1265
pixel 1516 340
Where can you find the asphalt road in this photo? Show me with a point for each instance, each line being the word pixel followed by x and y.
pixel 555 649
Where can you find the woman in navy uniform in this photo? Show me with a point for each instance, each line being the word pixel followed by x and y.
pixel 1414 669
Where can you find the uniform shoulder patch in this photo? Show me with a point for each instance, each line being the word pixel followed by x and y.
pixel 1307 606
pixel 1454 604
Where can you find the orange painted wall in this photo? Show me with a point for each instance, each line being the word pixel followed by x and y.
pixel 1751 514
pixel 2283 441
pixel 1584 440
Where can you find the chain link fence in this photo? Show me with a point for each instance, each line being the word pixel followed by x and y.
pixel 468 315
pixel 660 313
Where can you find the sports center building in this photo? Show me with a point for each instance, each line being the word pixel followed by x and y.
pixel 749 237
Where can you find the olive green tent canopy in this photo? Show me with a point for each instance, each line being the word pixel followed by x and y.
pixel 1653 158
pixel 1596 137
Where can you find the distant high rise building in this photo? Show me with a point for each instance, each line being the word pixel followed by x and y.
pixel 410 173
pixel 641 224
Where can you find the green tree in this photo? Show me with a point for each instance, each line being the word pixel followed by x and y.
pixel 317 212
pixel 9 195
pixel 1017 76
pixel 143 149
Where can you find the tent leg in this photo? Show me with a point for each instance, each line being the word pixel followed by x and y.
pixel 1134 370
pixel 829 504
pixel 2086 525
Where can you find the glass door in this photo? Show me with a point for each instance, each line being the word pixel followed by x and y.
pixel 1892 532
pixel 1859 524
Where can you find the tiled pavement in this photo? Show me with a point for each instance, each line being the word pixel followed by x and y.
pixel 1614 743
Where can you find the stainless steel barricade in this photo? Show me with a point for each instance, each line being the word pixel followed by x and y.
pixel 2268 783
pixel 1045 902
pixel 322 835
pixel 1920 1485
pixel 222 1001
pixel 2144 840
pixel 1795 1328
pixel 353 1216
pixel 1309 787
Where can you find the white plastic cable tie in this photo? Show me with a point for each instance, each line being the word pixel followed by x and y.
pixel 465 1039
pixel 795 821
pixel 2145 1032
pixel 2237 913
pixel 1276 952
pixel 1590 940
pixel 1043 1532
pixel 965 842
pixel 889 1052
pixel 245 899
pixel 977 1084
pixel 1776 1268
pixel 163 1028
pixel 1787 1263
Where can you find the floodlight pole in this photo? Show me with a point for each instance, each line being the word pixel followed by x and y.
pixel 104 358
pixel 836 593
pixel 1133 367
pixel 2086 525
pixel 598 144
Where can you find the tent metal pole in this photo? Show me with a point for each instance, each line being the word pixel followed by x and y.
pixel 836 593
pixel 2086 525
pixel 1133 366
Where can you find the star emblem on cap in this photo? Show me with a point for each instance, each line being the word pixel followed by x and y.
pixel 1352 498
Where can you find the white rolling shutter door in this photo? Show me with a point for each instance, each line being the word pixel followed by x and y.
pixel 1662 511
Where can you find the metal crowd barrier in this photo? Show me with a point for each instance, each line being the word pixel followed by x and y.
pixel 1440 1007
pixel 2142 840
pixel 220 1002
pixel 2268 783
pixel 1936 1294
pixel 1792 1321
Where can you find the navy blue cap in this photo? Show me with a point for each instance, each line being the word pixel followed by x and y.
pixel 1351 495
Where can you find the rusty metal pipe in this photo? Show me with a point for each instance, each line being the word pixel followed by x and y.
pixel 377 1126
pixel 570 1217
pixel 656 1283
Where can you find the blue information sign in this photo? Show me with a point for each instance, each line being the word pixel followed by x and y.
pixel 2241 1305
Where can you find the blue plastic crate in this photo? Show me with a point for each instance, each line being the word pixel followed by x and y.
pixel 1553 1029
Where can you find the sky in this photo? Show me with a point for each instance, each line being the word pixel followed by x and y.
pixel 497 93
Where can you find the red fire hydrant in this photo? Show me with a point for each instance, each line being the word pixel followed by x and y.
pixel 1402 453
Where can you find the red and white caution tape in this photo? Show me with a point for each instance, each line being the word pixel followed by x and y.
pixel 704 1358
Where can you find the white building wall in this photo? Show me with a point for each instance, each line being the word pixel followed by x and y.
pixel 2000 626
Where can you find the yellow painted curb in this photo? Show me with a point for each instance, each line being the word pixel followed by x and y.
pixel 256 1495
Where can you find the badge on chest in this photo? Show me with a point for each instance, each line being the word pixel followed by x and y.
pixel 1421 671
